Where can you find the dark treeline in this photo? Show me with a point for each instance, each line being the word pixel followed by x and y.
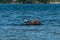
pixel 25 1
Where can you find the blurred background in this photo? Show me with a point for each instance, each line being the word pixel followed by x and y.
pixel 30 1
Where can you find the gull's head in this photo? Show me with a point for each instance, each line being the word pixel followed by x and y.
pixel 25 20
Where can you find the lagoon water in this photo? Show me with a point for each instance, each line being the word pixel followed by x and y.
pixel 12 25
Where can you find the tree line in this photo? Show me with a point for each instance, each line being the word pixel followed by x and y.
pixel 25 1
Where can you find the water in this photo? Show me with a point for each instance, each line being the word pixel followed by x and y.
pixel 12 15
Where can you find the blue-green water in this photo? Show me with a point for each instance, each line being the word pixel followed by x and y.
pixel 12 15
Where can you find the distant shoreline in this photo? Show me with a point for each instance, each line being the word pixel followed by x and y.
pixel 33 3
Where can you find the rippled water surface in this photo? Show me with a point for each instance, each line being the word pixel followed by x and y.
pixel 12 26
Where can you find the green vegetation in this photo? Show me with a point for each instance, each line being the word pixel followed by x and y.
pixel 55 0
pixel 28 1
pixel 5 1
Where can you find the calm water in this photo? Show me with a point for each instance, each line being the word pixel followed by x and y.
pixel 11 21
